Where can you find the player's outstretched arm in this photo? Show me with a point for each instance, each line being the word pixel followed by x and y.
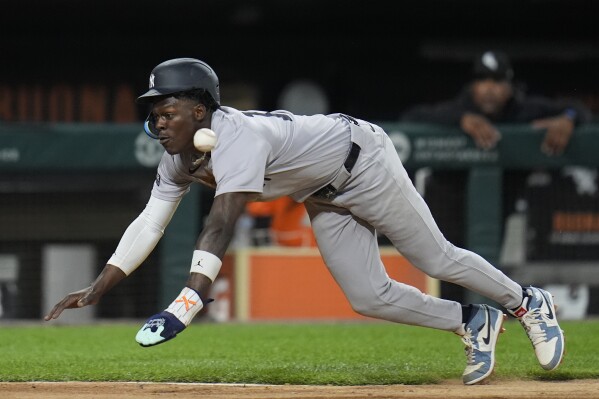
pixel 137 242
pixel 91 295
pixel 207 259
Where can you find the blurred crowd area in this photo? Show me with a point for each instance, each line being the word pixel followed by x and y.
pixel 373 62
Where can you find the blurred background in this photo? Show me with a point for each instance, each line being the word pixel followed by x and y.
pixel 75 169
pixel 372 59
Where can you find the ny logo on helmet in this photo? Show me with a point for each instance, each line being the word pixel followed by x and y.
pixel 151 81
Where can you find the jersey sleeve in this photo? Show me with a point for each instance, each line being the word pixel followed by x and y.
pixel 239 163
pixel 169 184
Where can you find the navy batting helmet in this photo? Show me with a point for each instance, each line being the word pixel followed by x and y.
pixel 180 75
pixel 177 76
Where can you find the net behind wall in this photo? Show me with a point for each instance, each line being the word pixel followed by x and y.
pixel 66 208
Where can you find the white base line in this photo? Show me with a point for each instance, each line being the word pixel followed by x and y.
pixel 238 384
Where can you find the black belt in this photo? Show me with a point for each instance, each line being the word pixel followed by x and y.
pixel 328 191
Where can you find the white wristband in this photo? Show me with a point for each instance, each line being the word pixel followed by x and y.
pixel 205 263
pixel 186 306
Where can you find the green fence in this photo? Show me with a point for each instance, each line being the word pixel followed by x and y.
pixel 29 147
pixel 38 149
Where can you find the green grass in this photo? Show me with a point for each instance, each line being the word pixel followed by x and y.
pixel 322 353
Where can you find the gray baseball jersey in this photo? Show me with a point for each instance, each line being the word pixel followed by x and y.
pixel 278 153
pixel 273 154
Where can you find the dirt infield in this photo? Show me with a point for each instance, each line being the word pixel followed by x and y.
pixel 580 389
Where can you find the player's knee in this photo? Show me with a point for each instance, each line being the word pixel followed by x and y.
pixel 439 274
pixel 366 309
pixel 371 305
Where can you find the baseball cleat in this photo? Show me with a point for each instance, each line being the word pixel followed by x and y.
pixel 482 331
pixel 537 314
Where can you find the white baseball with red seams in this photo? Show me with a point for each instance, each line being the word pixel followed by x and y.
pixel 204 140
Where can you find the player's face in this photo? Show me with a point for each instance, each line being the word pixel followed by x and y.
pixel 175 123
pixel 490 95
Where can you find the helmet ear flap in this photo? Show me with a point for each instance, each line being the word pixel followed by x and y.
pixel 150 126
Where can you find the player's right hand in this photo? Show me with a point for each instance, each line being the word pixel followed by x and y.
pixel 77 299
pixel 158 329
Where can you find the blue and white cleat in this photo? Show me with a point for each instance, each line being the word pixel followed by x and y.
pixel 482 331
pixel 537 316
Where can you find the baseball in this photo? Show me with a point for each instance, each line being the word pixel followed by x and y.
pixel 204 140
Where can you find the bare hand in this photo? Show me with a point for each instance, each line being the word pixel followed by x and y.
pixel 77 299
pixel 559 131
pixel 90 295
pixel 484 134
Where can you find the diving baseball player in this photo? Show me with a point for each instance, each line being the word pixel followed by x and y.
pixel 353 184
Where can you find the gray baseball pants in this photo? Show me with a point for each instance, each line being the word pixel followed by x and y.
pixel 379 196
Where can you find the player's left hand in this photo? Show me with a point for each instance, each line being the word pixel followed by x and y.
pixel 158 329
pixel 559 131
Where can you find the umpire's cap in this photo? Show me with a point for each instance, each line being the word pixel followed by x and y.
pixel 493 65
pixel 180 75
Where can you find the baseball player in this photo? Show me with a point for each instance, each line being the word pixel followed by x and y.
pixel 348 174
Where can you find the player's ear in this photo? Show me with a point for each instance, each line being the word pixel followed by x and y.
pixel 199 112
